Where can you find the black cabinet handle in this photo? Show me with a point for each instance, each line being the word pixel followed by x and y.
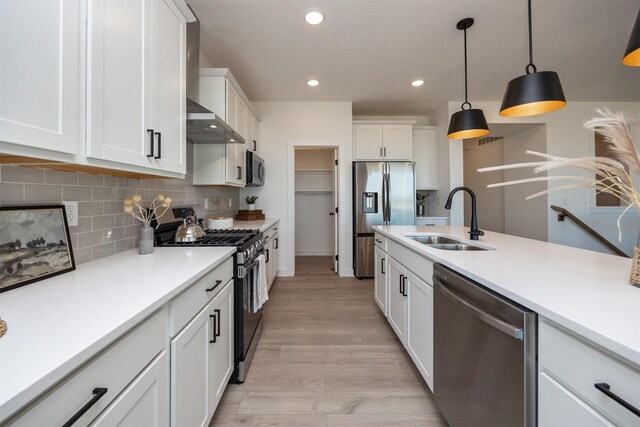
pixel 400 284
pixel 267 254
pixel 213 327
pixel 385 151
pixel 159 156
pixel 606 389
pixel 239 172
pixel 151 133
pixel 404 286
pixel 98 392
pixel 218 282
pixel 382 266
pixel 380 151
pixel 255 146
pixel 277 244
pixel 219 318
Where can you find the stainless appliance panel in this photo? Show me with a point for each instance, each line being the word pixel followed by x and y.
pixel 484 355
pixel 367 183
pixel 402 193
pixel 365 259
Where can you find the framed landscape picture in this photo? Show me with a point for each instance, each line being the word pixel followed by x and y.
pixel 34 244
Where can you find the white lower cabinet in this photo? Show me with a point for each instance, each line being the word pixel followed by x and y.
pixel 420 325
pixel 397 299
pixel 405 295
pixel 381 285
pixel 202 362
pixel 144 401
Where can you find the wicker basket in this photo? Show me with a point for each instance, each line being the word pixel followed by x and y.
pixel 634 277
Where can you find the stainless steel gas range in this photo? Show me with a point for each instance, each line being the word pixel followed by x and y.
pixel 250 245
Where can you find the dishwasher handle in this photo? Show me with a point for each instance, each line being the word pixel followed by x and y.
pixel 517 333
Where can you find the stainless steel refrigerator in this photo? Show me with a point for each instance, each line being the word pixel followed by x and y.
pixel 383 194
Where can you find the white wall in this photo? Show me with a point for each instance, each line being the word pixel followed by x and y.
pixel 524 218
pixel 566 136
pixel 283 126
pixel 490 207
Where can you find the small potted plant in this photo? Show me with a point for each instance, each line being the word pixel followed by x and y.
pixel 420 198
pixel 251 202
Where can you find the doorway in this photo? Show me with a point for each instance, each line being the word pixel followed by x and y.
pixel 316 201
pixel 504 209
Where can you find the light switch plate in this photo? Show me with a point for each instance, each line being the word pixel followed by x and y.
pixel 72 212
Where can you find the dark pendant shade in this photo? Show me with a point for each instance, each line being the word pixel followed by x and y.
pixel 632 54
pixel 533 94
pixel 467 124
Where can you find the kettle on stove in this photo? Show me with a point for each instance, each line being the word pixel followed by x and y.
pixel 189 231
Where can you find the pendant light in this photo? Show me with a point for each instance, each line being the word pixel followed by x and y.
pixel 469 122
pixel 535 92
pixel 632 55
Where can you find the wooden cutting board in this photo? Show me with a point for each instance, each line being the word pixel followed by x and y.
pixel 246 215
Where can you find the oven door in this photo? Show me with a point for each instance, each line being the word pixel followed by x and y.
pixel 248 321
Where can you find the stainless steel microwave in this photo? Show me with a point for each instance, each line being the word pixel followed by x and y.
pixel 255 170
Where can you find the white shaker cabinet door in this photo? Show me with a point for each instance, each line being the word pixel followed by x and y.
pixel 222 347
pixel 381 285
pixel 397 142
pixel 120 81
pixel 192 372
pixel 425 154
pixel 145 402
pixel 368 142
pixel 397 299
pixel 39 74
pixel 170 88
pixel 420 326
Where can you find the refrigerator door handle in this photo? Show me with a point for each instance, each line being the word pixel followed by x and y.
pixel 384 194
pixel 388 178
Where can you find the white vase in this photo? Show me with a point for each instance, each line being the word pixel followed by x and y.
pixel 252 207
pixel 145 243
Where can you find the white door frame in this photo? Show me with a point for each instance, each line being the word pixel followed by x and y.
pixel 343 202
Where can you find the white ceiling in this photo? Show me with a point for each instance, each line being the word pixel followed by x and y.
pixel 368 51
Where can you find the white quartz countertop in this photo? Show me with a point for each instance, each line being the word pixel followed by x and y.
pixel 261 225
pixel 57 324
pixel 585 291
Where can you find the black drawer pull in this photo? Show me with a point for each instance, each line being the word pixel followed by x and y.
pixel 219 319
pixel 606 389
pixel 214 286
pixel 400 283
pixel 213 328
pixel 277 244
pixel 404 286
pixel 151 133
pixel 98 392
pixel 382 265
pixel 159 156
pixel 267 254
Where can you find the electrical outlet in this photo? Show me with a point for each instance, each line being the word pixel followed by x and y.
pixel 206 204
pixel 72 212
pixel 564 201
pixel 230 202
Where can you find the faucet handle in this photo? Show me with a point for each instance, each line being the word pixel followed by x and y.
pixel 475 233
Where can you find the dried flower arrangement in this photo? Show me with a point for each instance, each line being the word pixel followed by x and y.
pixel 611 175
pixel 132 206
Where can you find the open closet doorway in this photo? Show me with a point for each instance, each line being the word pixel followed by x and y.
pixel 316 201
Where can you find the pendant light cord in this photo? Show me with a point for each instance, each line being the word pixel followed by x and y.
pixel 466 97
pixel 530 64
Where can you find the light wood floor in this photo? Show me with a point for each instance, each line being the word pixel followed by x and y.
pixel 327 357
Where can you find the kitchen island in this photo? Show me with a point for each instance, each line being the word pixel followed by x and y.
pixel 581 297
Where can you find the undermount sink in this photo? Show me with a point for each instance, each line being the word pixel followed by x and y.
pixel 445 243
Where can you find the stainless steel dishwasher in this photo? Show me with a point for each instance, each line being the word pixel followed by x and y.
pixel 484 354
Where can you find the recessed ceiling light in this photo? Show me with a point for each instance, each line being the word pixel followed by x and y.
pixel 417 83
pixel 213 126
pixel 232 140
pixel 313 17
pixel 313 83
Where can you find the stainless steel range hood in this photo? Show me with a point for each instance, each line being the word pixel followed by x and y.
pixel 203 126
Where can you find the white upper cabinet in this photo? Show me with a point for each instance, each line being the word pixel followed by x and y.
pixel 39 74
pixel 380 141
pixel 136 83
pixel 224 164
pixel 425 154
